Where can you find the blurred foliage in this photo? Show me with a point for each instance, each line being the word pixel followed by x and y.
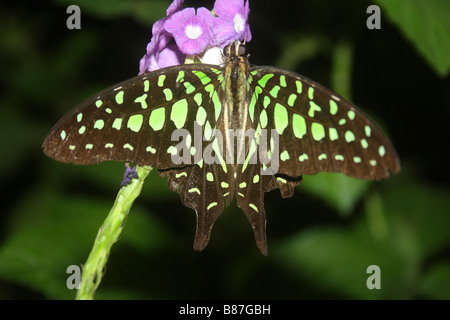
pixel 427 25
pixel 321 241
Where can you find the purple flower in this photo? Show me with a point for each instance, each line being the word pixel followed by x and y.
pixel 233 25
pixel 192 32
pixel 159 53
pixel 129 174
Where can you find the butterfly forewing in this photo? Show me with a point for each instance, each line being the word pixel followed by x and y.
pixel 318 129
pixel 136 120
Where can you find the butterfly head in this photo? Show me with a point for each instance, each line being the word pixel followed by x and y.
pixel 235 50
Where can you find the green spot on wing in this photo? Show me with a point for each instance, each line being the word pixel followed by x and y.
pixel 303 157
pixel 212 204
pixel 202 76
pixel 266 101
pixel 318 131
pixel 280 118
pixel 198 98
pixel 263 118
pixel 135 122
pixel 99 124
pixel 364 143
pixel 281 180
pixel 311 93
pixel 194 190
pixel 128 146
pixel 152 150
pixel 351 114
pixel 117 123
pixel 172 150
pixel 157 118
pixel 298 125
pixel 217 104
pixel 179 113
pixel 349 136
pixel 189 87
pixel 142 100
pixel 333 133
pixel 251 106
pixel 181 174
pixel 201 116
pixel 210 88
pixel 119 97
pixel 180 76
pixel 313 108
pixel 168 94
pixel 263 81
pixel 333 107
pixel 381 151
pixel 161 79
pixel 283 81
pixel 216 71
pixel 274 91
pixel 299 86
pixel 284 155
pixel 291 99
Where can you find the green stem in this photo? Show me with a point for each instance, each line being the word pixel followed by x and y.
pixel 108 234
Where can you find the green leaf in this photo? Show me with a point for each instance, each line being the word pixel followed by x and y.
pixel 436 282
pixel 50 231
pixel 427 25
pixel 405 224
pixel 299 48
pixel 339 191
pixel 424 210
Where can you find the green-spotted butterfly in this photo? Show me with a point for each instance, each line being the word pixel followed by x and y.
pixel 315 130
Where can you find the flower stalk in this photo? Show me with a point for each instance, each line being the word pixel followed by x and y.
pixel 108 234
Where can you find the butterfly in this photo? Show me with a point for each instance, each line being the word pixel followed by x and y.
pixel 223 131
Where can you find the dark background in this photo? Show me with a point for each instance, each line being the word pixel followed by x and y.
pixel 321 241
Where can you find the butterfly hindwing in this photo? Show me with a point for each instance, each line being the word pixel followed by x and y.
pixel 203 188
